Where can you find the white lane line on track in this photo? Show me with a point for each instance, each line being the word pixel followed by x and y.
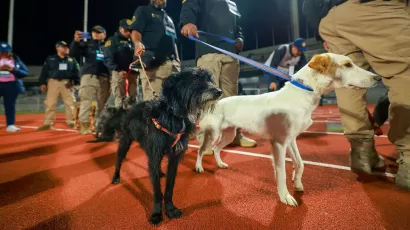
pixel 257 154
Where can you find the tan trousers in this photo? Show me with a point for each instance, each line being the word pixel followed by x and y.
pixel 118 87
pixel 375 34
pixel 225 71
pixel 56 89
pixel 92 86
pixel 156 77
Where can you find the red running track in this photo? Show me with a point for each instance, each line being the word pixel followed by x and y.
pixel 54 180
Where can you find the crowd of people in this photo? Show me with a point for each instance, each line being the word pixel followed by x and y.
pixel 150 36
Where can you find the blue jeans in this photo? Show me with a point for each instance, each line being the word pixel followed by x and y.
pixel 9 91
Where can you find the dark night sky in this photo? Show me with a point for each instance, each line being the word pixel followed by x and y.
pixel 39 24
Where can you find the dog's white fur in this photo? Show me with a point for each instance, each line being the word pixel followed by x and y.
pixel 280 116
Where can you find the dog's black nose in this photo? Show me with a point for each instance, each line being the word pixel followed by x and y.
pixel 377 78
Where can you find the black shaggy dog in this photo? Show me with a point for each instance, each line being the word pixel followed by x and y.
pixel 109 121
pixel 161 127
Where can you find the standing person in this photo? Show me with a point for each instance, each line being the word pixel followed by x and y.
pixel 216 17
pixel 154 37
pixel 119 54
pixel 289 58
pixel 57 78
pixel 11 70
pixel 95 78
pixel 375 34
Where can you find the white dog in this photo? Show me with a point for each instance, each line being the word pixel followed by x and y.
pixel 282 115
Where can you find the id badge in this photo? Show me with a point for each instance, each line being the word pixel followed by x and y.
pixel 170 32
pixel 291 70
pixel 62 66
pixel 100 56
pixel 233 8
pixel 4 73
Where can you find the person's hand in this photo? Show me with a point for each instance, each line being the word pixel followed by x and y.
pixel 272 86
pixel 78 36
pixel 6 67
pixel 239 45
pixel 325 46
pixel 139 49
pixel 123 74
pixel 43 88
pixel 69 85
pixel 190 29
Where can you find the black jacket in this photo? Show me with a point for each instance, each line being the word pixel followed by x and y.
pixel 60 68
pixel 89 50
pixel 212 16
pixel 118 52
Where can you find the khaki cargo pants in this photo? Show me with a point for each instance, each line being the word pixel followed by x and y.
pixel 118 87
pixel 156 77
pixel 92 86
pixel 56 89
pixel 375 34
pixel 225 71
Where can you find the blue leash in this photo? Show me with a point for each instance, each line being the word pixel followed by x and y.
pixel 258 65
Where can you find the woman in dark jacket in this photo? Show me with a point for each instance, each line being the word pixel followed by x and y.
pixel 12 69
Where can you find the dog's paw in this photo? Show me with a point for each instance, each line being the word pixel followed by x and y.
pixel 156 218
pixel 199 169
pixel 115 180
pixel 298 186
pixel 172 212
pixel 289 200
pixel 222 165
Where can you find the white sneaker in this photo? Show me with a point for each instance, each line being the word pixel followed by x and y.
pixel 12 128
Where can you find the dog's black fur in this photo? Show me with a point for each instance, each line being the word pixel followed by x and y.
pixel 184 96
pixel 110 120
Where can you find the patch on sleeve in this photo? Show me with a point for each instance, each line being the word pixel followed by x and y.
pixel 107 43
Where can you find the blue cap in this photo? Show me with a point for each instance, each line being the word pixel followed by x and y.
pixel 62 43
pixel 300 44
pixel 5 47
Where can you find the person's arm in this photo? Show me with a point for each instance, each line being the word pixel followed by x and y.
pixel 21 70
pixel 188 17
pixel 76 73
pixel 78 46
pixel 137 28
pixel 109 51
pixel 276 59
pixel 44 73
pixel 239 36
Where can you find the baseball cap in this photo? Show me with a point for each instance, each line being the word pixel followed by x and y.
pixel 62 43
pixel 300 44
pixel 125 23
pixel 99 29
pixel 5 47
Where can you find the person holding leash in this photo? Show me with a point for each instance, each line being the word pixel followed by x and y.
pixel 221 18
pixel 58 76
pixel 95 79
pixel 119 54
pixel 154 37
pixel 12 69
pixel 376 34
pixel 289 58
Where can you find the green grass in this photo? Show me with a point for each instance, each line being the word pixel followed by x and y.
pixel 334 127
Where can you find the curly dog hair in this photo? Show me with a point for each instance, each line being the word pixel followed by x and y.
pixel 161 126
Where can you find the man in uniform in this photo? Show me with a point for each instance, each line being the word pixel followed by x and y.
pixel 119 54
pixel 95 81
pixel 216 17
pixel 288 57
pixel 154 37
pixel 58 76
pixel 373 33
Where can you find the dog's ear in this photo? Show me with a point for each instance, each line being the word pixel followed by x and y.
pixel 320 63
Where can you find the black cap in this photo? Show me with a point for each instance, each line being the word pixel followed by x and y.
pixel 62 43
pixel 99 29
pixel 125 23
